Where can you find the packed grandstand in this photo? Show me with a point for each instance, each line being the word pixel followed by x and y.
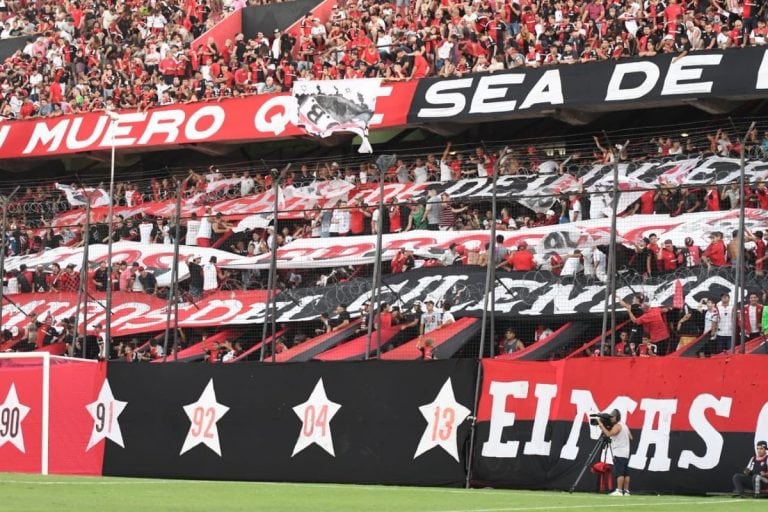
pixel 89 56
pixel 675 240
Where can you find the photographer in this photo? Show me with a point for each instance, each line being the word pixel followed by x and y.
pixel 620 437
pixel 755 474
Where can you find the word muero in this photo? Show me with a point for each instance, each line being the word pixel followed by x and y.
pixel 657 415
pixel 258 117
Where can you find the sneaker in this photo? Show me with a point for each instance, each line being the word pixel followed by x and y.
pixel 626 493
pixel 617 492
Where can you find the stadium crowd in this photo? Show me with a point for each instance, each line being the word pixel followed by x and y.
pixel 87 56
pixel 30 233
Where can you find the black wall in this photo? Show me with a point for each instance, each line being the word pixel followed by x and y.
pixel 375 433
pixel 266 18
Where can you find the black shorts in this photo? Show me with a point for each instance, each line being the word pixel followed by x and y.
pixel 620 466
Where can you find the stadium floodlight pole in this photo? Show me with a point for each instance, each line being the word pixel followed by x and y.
pixel 738 303
pixel 114 119
pixel 376 284
pixel 82 290
pixel 3 241
pixel 489 273
pixel 610 290
pixel 173 291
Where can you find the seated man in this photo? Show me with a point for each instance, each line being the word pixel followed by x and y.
pixel 755 474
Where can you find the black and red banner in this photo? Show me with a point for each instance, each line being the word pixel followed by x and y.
pixel 694 421
pixel 612 85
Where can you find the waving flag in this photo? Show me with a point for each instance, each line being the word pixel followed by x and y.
pixel 328 107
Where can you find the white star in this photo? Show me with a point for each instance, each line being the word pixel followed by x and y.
pixel 443 415
pixel 12 413
pixel 315 415
pixel 105 411
pixel 203 416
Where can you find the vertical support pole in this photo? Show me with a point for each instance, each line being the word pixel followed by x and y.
pixel 110 233
pixel 376 279
pixel 489 281
pixel 610 290
pixel 173 293
pixel 82 290
pixel 46 413
pixel 737 335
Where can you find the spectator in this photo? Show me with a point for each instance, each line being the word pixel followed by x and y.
pixel 451 256
pixel 426 347
pixel 447 316
pixel 724 324
pixel 196 278
pixel 127 275
pixel 432 210
pixel 714 254
pixel 430 319
pixel 541 332
pixel 691 253
pixel 511 343
pixel 101 277
pixel 668 257
pixel 759 251
pixel 522 260
pixel 653 320
pixel 323 325
pixel 343 317
pixel 193 228
pixel 69 280
pixel 40 280
pixel 205 230
pixel 147 281
pixel 690 326
pixel 752 318
pixel 755 474
pixel 647 348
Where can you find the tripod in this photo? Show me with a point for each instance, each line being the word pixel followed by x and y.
pixel 602 443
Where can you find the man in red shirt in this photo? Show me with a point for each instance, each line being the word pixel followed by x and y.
pixel 420 66
pixel 522 259
pixel 654 323
pixel 69 280
pixel 714 254
pixel 356 218
pixel 757 238
pixel 647 202
pixel 667 257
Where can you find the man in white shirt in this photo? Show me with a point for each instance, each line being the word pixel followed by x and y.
pixel 246 184
pixel 574 211
pixel 711 319
pixel 572 265
pixel 205 231
pixel 277 45
pixel 724 324
pixel 620 437
pixel 193 227
pixel 431 319
pixel 420 172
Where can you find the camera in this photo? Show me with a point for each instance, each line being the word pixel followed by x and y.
pixel 607 419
